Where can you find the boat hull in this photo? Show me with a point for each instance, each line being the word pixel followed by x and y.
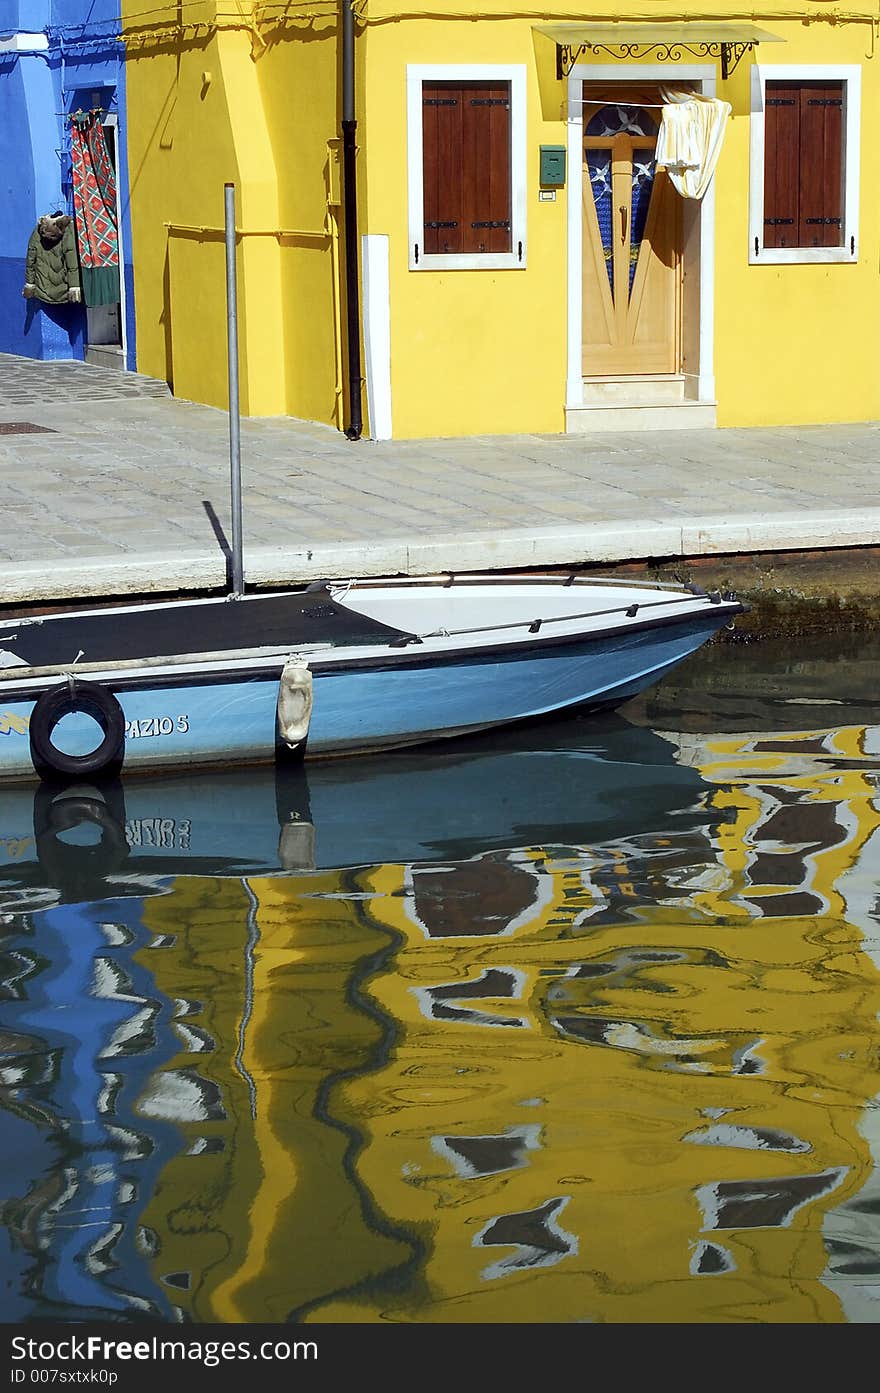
pixel 371 703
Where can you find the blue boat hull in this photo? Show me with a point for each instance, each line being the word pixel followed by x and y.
pixel 374 703
pixel 367 709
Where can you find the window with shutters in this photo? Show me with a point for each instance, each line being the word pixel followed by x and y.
pixel 804 164
pixel 466 158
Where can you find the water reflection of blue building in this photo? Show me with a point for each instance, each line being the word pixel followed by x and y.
pixel 87 1031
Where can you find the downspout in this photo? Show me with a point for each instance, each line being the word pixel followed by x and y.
pixel 349 125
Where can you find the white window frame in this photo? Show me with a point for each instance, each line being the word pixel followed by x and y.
pixel 851 76
pixel 416 75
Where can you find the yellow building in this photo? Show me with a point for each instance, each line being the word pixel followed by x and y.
pixel 516 259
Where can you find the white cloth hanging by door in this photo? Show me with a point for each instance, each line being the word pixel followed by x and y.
pixel 689 141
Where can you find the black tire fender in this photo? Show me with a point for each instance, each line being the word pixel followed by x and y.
pixel 91 699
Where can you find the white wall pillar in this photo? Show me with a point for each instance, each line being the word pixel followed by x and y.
pixel 377 333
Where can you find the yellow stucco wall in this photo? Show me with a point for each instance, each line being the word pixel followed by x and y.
pixel 472 352
pixel 211 101
pixel 792 343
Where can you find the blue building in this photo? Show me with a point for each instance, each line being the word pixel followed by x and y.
pixel 58 57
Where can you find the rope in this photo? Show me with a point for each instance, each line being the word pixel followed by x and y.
pixel 534 625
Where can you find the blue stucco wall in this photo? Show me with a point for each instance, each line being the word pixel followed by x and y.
pixel 82 66
pixel 17 201
pixel 31 185
pixel 29 15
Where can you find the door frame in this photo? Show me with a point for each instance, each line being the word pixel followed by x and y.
pixel 111 118
pixel 698 233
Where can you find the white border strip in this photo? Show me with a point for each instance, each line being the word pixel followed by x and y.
pixel 515 74
pixel 112 119
pixel 851 74
pixel 375 258
pixel 24 43
pixel 704 78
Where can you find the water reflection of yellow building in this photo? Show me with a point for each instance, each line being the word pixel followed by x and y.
pixel 679 1169
pixel 256 1214
pixel 624 1082
pixel 196 1223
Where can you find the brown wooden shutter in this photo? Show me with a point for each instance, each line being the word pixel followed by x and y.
pixel 803 164
pixel 441 163
pixel 821 191
pixel 781 164
pixel 466 167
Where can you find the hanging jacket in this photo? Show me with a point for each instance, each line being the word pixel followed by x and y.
pixel 52 265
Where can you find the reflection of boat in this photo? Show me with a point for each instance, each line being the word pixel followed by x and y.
pixel 334 669
pixel 568 783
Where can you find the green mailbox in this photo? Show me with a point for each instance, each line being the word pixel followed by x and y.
pixel 553 165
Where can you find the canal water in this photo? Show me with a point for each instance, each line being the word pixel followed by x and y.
pixel 574 1023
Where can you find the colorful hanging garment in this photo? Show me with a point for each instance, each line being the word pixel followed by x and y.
pixel 94 209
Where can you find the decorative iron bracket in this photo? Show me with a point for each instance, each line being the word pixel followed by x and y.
pixel 729 53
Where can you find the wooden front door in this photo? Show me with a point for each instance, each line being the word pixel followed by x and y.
pixel 631 245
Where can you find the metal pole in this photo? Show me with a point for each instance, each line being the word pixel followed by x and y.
pixel 349 174
pixel 234 423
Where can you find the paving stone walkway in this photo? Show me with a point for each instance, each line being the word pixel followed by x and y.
pixel 25 381
pixel 125 490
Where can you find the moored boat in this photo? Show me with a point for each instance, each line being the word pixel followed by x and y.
pixel 338 668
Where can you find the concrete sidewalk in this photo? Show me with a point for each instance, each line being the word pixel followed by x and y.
pixel 124 490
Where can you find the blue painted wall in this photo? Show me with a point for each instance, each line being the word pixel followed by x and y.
pixel 30 15
pixel 82 66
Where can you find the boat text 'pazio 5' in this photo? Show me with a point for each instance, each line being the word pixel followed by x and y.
pixel 336 668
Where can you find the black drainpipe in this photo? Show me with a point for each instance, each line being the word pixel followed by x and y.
pixel 349 126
